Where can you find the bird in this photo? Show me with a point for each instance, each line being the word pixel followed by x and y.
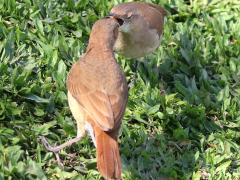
pixel 141 28
pixel 97 97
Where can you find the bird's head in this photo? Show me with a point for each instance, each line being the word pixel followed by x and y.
pixel 140 27
pixel 131 16
pixel 104 33
pixel 128 19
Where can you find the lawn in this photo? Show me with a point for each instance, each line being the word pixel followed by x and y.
pixel 183 115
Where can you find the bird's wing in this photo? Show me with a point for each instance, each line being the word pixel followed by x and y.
pixel 159 8
pixel 154 14
pixel 105 109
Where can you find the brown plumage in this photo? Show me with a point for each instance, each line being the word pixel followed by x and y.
pixel 97 88
pixel 141 29
pixel 97 95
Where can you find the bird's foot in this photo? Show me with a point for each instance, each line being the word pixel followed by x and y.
pixel 56 149
pixel 59 160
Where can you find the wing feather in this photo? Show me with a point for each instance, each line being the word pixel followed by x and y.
pixel 105 109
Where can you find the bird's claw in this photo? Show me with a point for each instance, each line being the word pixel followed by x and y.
pixel 48 146
pixel 56 149
pixel 52 149
pixel 59 160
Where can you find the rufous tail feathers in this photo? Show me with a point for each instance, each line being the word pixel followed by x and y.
pixel 108 157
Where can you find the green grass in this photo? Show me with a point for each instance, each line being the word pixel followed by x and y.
pixel 183 114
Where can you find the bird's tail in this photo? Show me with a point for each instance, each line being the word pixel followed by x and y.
pixel 108 157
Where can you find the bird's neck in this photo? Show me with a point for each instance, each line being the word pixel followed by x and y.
pixel 101 46
pixel 101 41
pixel 100 51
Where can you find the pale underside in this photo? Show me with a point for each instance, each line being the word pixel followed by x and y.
pixel 134 44
pixel 80 116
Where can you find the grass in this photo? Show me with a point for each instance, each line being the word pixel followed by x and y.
pixel 183 114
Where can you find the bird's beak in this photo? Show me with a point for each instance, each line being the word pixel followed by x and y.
pixel 116 17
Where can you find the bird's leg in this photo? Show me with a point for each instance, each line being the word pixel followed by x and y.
pixel 56 149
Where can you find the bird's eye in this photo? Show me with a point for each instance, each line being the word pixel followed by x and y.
pixel 120 21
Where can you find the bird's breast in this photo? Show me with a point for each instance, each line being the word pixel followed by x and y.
pixel 137 43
